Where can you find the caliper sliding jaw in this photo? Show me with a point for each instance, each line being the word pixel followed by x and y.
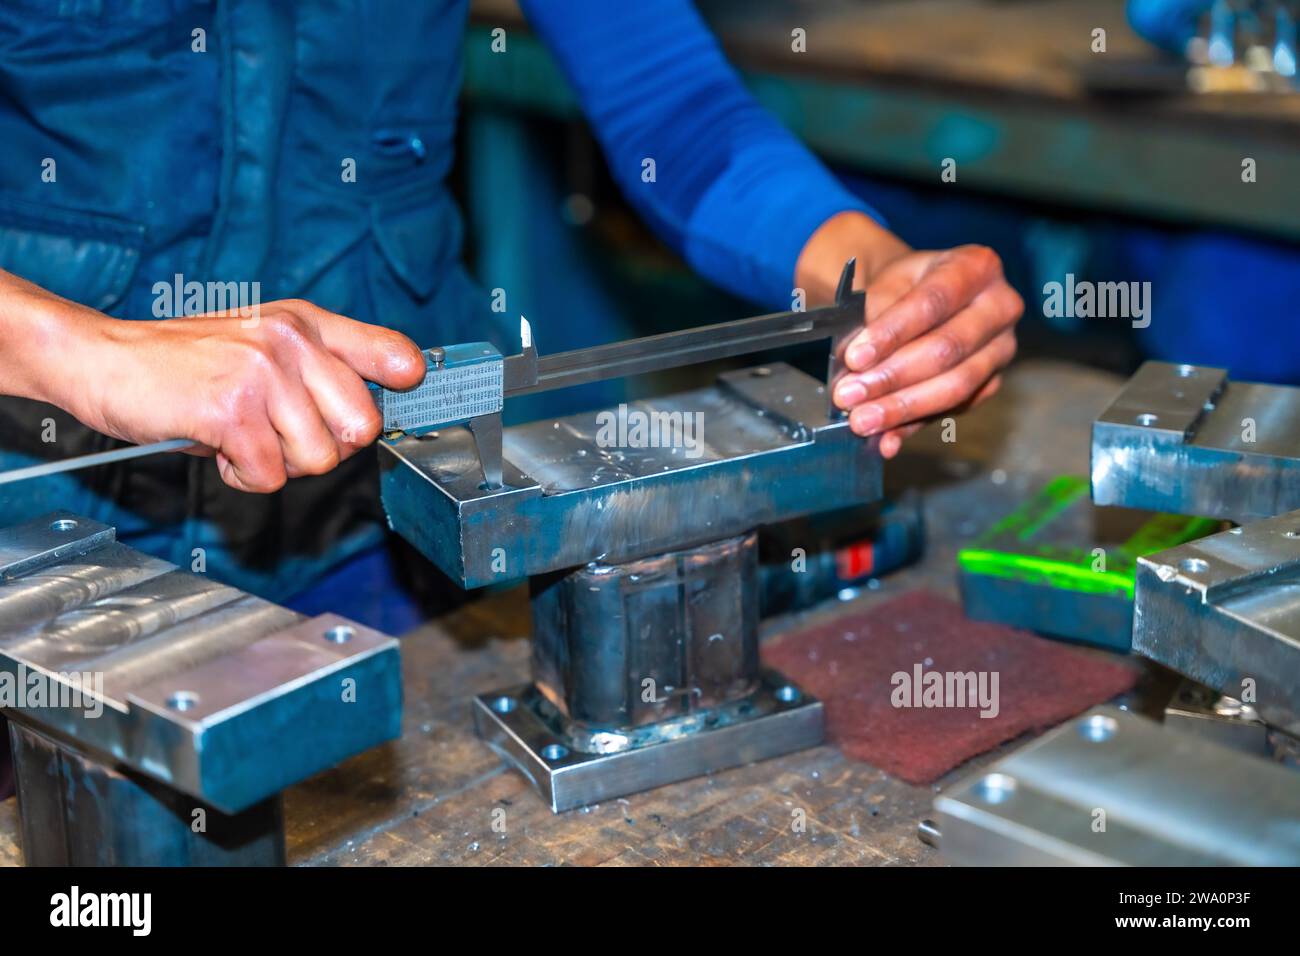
pixel 463 384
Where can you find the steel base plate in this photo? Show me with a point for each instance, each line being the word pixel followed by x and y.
pixel 520 725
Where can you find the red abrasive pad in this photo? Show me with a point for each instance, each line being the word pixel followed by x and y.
pixel 865 668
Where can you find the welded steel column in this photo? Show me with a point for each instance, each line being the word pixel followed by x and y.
pixel 621 645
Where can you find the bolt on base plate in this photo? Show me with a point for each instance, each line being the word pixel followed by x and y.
pixel 522 726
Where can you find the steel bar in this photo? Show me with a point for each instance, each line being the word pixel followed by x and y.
pixel 90 461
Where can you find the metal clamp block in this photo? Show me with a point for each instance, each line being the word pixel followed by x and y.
pixel 1112 788
pixel 1182 438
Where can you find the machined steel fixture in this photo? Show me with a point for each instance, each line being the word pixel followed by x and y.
pixel 1182 438
pixel 1112 788
pixel 641 552
pixel 1225 611
pixel 645 673
pixel 142 697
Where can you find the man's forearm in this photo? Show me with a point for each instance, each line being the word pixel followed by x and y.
pixel 39 334
pixel 274 399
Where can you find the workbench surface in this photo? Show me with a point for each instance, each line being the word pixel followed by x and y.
pixel 430 797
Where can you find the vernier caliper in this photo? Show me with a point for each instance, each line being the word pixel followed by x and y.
pixel 468 384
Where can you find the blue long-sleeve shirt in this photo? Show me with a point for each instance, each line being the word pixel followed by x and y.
pixel 730 188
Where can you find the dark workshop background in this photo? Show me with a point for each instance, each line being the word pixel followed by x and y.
pixel 1130 186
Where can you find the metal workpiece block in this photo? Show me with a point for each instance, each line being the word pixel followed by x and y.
pixel 58 535
pixel 645 663
pixel 1182 438
pixel 619 646
pixel 531 735
pixel 1112 788
pixel 767 450
pixel 1225 611
pixel 175 677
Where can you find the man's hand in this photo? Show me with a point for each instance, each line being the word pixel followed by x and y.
pixel 940 327
pixel 275 395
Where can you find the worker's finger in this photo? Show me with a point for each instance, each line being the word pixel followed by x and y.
pixel 377 354
pixel 251 459
pixel 343 401
pixel 952 279
pixel 306 443
pixel 937 351
pixel 944 392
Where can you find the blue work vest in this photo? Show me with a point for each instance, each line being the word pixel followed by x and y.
pixel 300 145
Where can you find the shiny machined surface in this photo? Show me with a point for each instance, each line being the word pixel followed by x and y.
pixel 1185 439
pixel 769 450
pixel 209 690
pixel 1225 611
pixel 522 726
pixel 1112 788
